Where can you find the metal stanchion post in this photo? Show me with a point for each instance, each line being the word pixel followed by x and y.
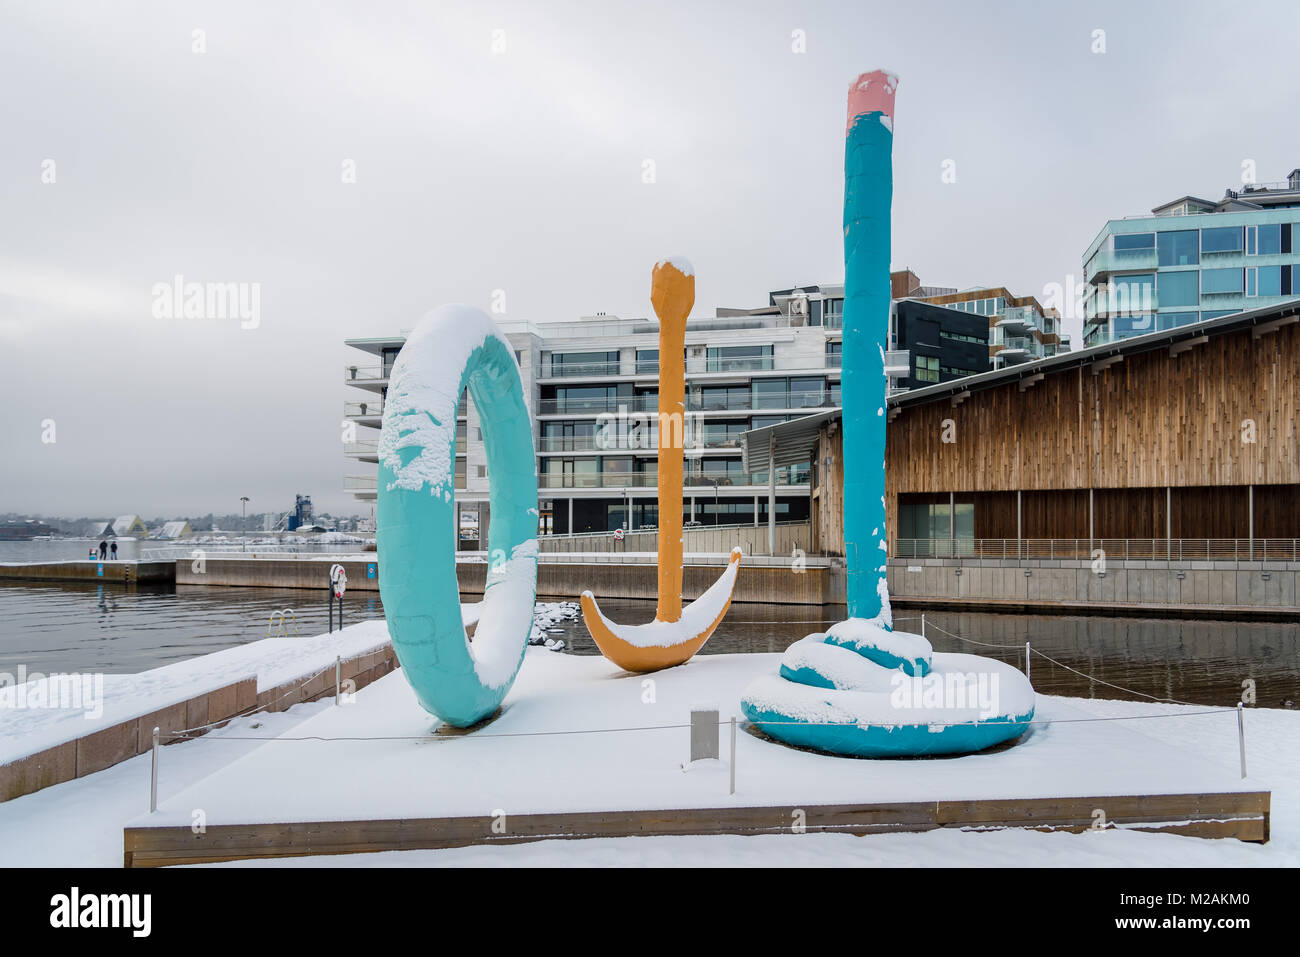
pixel 338 677
pixel 153 775
pixel 1026 659
pixel 733 755
pixel 1241 735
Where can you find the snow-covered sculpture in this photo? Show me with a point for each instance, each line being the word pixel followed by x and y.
pixel 455 678
pixel 675 634
pixel 862 688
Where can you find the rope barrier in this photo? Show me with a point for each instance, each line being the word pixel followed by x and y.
pixel 723 722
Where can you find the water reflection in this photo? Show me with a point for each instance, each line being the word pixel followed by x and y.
pixel 1205 662
pixel 116 629
pixel 57 627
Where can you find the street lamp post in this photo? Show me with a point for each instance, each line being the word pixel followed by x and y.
pixel 243 523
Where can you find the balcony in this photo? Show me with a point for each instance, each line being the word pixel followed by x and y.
pixel 365 413
pixel 1018 321
pixel 1115 260
pixel 366 377
pixel 898 362
pixel 693 479
pixel 365 451
pixel 695 402
pixel 572 370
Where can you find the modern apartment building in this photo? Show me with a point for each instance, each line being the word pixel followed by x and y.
pixel 1193 259
pixel 593 388
pixel 948 334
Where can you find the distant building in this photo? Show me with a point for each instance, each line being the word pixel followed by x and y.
pixel 1193 260
pixel 175 530
pixel 125 525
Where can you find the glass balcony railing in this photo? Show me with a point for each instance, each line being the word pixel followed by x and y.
pixel 365 373
pixel 696 479
pixel 363 410
pixel 568 370
pixel 1109 260
pixel 729 401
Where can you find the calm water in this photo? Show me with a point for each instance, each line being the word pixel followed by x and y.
pixel 110 628
pixel 114 629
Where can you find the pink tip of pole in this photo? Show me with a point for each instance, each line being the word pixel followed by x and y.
pixel 872 93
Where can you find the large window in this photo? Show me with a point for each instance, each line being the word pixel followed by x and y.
pixel 807 393
pixel 1218 281
pixel 647 361
pixel 1270 241
pixel 1221 239
pixel 1133 293
pixel 1179 289
pixel 739 358
pixel 1179 248
pixel 927 369
pixel 585 398
pixel 723 398
pixel 1171 320
pixel 1134 241
pixel 584 363
pixel 771 394
pixel 1270 280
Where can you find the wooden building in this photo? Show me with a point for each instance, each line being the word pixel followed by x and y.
pixel 1172 443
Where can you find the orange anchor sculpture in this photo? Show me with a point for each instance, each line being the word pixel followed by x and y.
pixel 675 634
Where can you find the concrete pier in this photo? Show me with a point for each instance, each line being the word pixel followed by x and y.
pixel 84 570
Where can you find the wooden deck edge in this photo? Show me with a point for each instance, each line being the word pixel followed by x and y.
pixel 105 747
pixel 1242 815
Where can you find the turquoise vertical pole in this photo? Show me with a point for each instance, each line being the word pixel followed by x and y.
pixel 868 192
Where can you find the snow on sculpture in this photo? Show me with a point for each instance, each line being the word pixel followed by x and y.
pixel 455 678
pixel 674 635
pixel 862 688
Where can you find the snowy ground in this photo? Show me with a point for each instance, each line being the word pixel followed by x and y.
pixel 80 822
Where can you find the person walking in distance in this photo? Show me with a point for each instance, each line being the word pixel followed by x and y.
pixel 113 549
pixel 103 550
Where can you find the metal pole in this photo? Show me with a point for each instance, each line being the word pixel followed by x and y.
pixel 922 624
pixel 154 775
pixel 1018 525
pixel 1252 527
pixel 771 496
pixel 1169 523
pixel 338 678
pixel 1090 535
pixel 331 601
pixel 1026 659
pixel 733 755
pixel 1241 735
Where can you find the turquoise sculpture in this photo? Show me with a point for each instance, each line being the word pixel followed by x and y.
pixel 458 679
pixel 861 688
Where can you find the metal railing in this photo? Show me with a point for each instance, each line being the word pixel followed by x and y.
pixel 1114 549
pixel 364 410
pixel 695 402
pixel 365 373
pixel 707 479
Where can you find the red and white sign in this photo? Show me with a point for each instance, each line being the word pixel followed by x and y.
pixel 618 534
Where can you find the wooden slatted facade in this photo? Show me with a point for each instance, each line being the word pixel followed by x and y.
pixel 1207 420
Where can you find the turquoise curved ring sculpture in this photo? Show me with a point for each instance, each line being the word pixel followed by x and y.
pixel 456 678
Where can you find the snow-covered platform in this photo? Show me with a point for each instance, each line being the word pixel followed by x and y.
pixel 583 749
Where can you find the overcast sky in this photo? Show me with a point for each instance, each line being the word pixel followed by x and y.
pixel 520 168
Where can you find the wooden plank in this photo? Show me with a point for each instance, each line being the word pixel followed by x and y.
pixel 1241 815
